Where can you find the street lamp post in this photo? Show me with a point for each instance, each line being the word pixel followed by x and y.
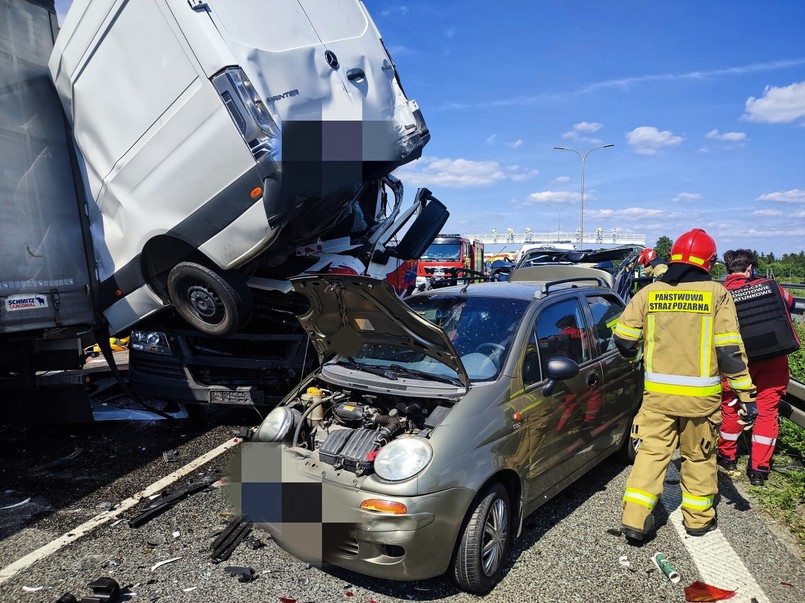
pixel 559 209
pixel 581 201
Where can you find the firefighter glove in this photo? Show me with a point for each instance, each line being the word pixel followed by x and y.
pixel 747 414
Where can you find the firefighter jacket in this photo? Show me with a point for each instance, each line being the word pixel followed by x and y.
pixel 689 333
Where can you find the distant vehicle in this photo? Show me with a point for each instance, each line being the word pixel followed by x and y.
pixel 559 246
pixel 450 259
pixel 433 429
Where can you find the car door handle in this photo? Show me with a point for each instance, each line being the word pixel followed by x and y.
pixel 356 73
pixel 592 379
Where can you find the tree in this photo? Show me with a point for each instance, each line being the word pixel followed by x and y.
pixel 663 248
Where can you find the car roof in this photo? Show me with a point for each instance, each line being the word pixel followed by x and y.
pixel 525 290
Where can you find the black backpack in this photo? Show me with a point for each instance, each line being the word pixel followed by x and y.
pixel 764 320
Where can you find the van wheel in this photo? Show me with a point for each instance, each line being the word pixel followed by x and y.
pixel 213 303
pixel 484 542
pixel 628 451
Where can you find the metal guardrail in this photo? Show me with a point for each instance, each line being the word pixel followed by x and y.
pixel 792 405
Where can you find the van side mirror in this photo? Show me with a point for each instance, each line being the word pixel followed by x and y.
pixel 558 369
pixel 423 230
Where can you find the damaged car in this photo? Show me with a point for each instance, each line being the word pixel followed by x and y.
pixel 434 425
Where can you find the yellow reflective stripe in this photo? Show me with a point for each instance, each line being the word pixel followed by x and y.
pixel 743 383
pixel 682 390
pixel 727 338
pixel 702 503
pixel 611 324
pixel 676 256
pixel 640 497
pixel 628 332
pixel 648 351
pixel 695 260
pixel 707 344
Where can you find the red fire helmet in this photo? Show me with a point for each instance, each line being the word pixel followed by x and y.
pixel 696 248
pixel 645 257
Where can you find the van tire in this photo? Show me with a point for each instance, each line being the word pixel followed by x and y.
pixel 214 303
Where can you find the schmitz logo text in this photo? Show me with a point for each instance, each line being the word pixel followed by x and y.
pixel 15 303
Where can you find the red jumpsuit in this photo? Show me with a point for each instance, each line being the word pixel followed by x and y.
pixel 770 376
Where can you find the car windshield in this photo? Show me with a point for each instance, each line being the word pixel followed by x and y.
pixel 443 251
pixel 480 328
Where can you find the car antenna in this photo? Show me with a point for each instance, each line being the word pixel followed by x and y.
pixel 465 287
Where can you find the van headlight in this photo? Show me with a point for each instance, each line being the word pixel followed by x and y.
pixel 155 342
pixel 403 458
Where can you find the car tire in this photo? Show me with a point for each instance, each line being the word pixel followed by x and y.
pixel 214 303
pixel 628 451
pixel 484 542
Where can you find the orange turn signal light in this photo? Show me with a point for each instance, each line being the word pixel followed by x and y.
pixel 118 292
pixel 518 416
pixel 257 192
pixel 384 506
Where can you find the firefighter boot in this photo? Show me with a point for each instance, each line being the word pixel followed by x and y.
pixel 644 535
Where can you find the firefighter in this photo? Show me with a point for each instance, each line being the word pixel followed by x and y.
pixel 769 374
pixel 686 329
pixel 653 265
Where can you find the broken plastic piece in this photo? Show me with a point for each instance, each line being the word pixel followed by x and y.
pixel 253 542
pixel 243 574
pixel 228 540
pixel 166 499
pixel 171 456
pixel 32 589
pixel 699 591
pixel 166 561
pixel 286 600
pixel 67 598
pixel 190 589
pixel 15 505
pixel 624 561
pixel 104 590
pixel 59 463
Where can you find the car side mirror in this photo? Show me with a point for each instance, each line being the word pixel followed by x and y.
pixel 559 368
pixel 423 230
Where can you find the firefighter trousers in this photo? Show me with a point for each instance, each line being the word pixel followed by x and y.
pixel 660 434
pixel 771 379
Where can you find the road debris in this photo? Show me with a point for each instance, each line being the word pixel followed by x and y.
pixel 700 591
pixel 171 456
pixel 624 561
pixel 15 505
pixel 243 574
pixel 167 499
pixel 60 463
pixel 228 540
pixel 189 589
pixel 32 589
pixel 165 562
pixel 661 562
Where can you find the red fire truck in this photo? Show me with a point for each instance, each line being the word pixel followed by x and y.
pixel 449 260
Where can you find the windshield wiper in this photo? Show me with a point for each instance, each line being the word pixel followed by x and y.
pixel 393 371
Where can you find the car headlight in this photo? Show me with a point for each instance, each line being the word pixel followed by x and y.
pixel 403 458
pixel 155 342
pixel 277 425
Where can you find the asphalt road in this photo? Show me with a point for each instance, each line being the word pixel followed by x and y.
pixel 569 550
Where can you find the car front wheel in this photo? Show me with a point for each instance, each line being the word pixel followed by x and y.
pixel 213 303
pixel 485 542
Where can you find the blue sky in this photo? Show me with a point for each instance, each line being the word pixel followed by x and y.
pixel 704 102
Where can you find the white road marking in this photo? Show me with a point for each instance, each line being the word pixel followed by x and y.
pixel 718 563
pixel 102 518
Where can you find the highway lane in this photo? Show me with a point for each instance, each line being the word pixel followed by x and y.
pixel 568 552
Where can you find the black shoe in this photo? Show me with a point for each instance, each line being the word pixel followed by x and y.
pixel 727 465
pixel 644 535
pixel 757 478
pixel 711 525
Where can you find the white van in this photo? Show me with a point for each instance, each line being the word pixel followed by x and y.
pixel 218 136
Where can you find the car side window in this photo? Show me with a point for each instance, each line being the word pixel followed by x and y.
pixel 605 311
pixel 559 331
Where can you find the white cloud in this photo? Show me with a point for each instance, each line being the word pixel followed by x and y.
pixel 491 139
pixel 728 136
pixel 516 144
pixel 554 196
pixel 459 173
pixel 768 212
pixel 795 195
pixel 647 140
pixel 561 180
pixel 799 214
pixel 687 197
pixel 777 105
pixel 632 212
pixel 581 128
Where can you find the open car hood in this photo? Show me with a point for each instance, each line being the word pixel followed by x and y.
pixel 347 312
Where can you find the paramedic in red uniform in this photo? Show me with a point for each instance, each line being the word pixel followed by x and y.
pixel 770 376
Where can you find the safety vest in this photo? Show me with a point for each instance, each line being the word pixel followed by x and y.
pixel 763 319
